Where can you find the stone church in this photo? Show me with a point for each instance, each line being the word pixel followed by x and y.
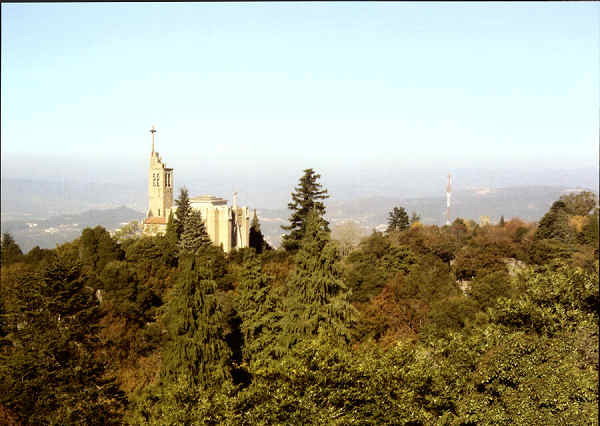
pixel 226 226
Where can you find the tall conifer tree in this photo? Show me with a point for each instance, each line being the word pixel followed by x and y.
pixel 257 239
pixel 183 210
pixel 194 233
pixel 196 360
pixel 260 312
pixel 307 196
pixel 317 301
pixel 196 350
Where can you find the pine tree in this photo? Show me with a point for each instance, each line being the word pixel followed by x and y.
pixel 10 252
pixel 501 224
pixel 397 220
pixel 317 301
pixel 307 196
pixel 183 211
pixel 194 233
pixel 196 350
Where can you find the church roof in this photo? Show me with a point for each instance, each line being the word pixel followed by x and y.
pixel 209 199
pixel 156 220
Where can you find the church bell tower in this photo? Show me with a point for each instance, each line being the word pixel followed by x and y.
pixel 160 186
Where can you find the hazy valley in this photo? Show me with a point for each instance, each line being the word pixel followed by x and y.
pixel 46 213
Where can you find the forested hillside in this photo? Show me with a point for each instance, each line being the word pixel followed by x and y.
pixel 461 324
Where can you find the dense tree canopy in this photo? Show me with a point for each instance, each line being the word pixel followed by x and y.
pixel 50 370
pixel 457 324
pixel 579 203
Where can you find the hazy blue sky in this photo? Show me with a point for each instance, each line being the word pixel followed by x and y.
pixel 273 88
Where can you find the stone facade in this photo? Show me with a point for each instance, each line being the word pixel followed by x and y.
pixel 228 227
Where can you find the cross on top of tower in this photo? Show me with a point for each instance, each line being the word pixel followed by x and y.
pixel 153 131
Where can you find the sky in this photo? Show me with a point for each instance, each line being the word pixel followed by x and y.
pixel 260 91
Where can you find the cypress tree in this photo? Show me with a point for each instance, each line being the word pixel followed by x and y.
pixel 257 239
pixel 194 233
pixel 501 221
pixel 307 196
pixel 317 300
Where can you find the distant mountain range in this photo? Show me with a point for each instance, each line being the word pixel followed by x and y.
pixel 39 199
pixel 50 213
